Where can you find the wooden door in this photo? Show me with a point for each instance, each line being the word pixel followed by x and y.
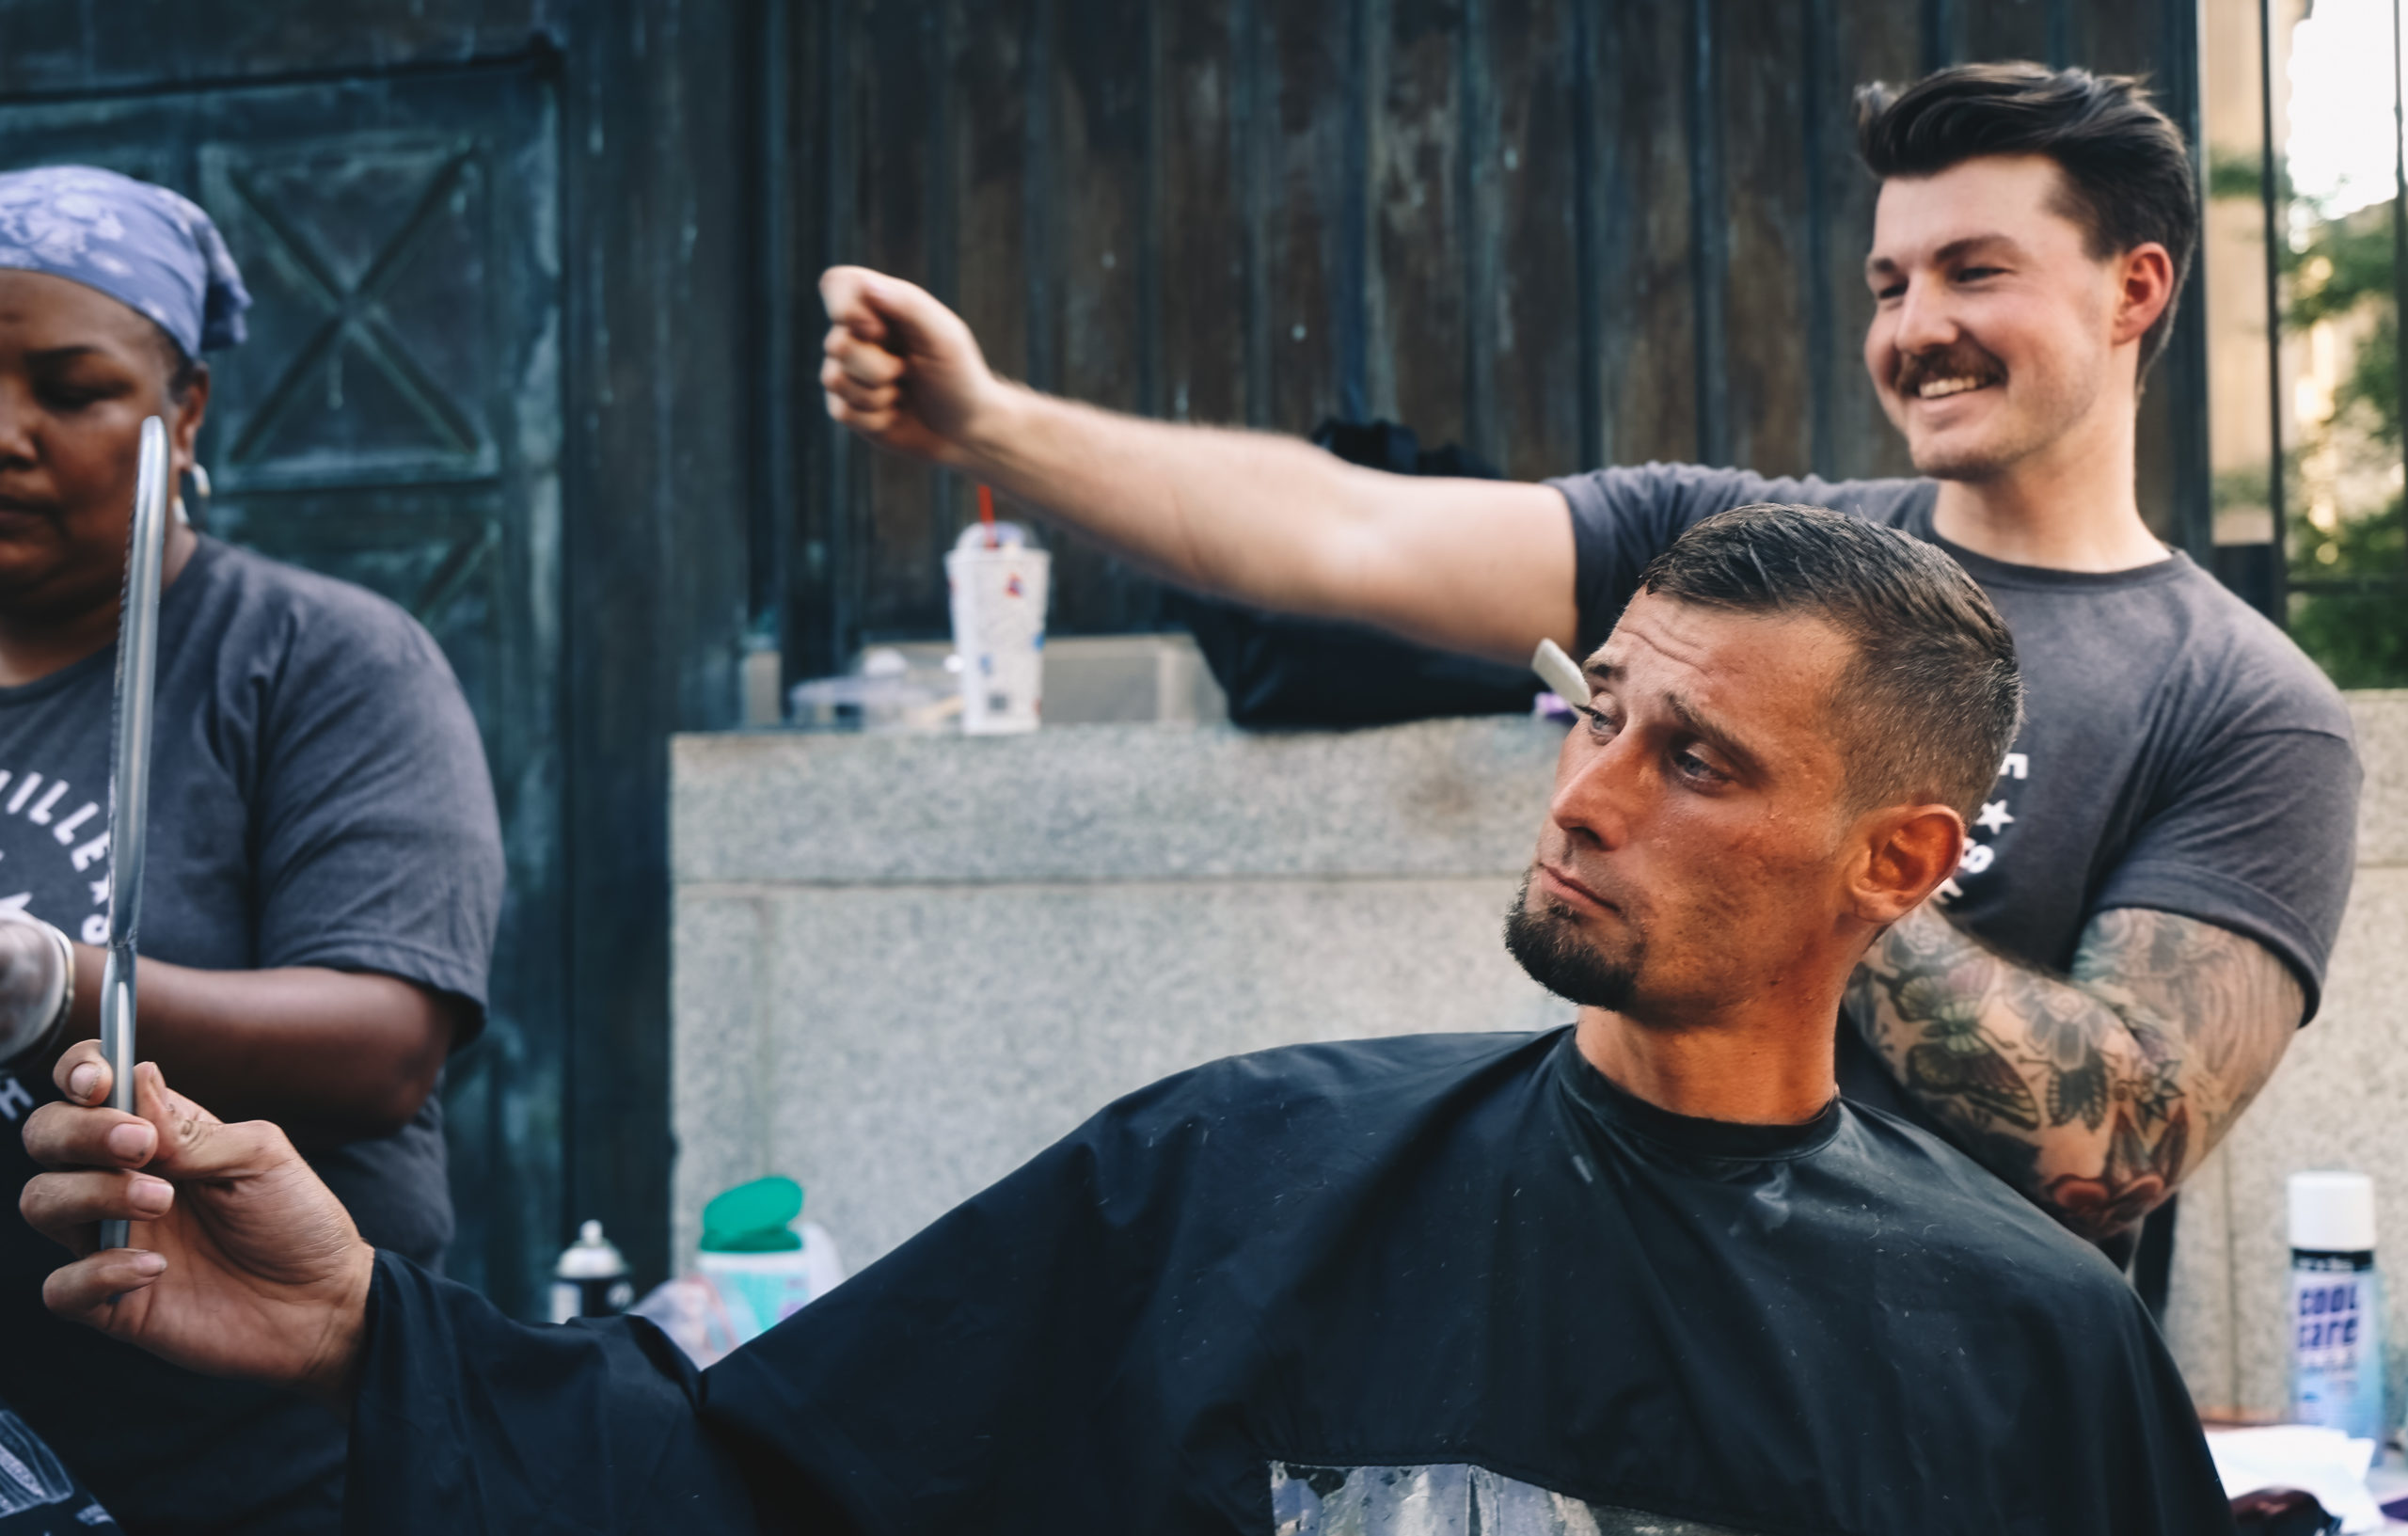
pixel 395 420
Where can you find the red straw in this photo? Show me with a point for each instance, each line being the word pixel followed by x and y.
pixel 987 513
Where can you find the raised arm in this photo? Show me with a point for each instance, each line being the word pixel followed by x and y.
pixel 1474 565
pixel 2096 1093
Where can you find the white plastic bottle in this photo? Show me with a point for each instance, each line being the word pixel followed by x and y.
pixel 2336 1306
pixel 590 1280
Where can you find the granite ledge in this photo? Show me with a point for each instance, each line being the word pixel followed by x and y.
pixel 2381 716
pixel 1113 803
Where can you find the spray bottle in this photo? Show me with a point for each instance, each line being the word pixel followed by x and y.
pixel 2336 1306
pixel 590 1280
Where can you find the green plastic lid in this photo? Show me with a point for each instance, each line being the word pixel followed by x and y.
pixel 754 1218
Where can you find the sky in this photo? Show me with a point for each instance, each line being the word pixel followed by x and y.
pixel 2343 154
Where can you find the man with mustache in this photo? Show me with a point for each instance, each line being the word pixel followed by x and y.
pixel 2149 893
pixel 1648 1273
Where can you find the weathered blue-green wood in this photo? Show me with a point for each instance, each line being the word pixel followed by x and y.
pixel 1104 250
pixel 663 318
pixel 78 47
pixel 1561 231
pixel 1851 41
pixel 395 420
pixel 650 225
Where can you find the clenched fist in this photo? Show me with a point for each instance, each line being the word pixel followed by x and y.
pixel 902 369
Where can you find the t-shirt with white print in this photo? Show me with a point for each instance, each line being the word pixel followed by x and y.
pixel 318 796
pixel 39 1497
pixel 2178 752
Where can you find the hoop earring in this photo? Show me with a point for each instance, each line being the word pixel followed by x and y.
pixel 199 493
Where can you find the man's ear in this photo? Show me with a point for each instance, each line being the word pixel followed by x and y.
pixel 1908 850
pixel 2145 279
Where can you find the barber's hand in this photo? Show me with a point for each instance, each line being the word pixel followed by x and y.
pixel 36 971
pixel 902 369
pixel 242 1263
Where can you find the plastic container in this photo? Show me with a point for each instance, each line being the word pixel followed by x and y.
pixel 591 1279
pixel 997 583
pixel 762 1270
pixel 885 695
pixel 2336 1305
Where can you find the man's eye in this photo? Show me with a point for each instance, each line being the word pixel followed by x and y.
pixel 1598 723
pixel 1975 274
pixel 1887 292
pixel 1697 768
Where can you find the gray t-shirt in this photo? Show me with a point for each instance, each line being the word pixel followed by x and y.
pixel 319 797
pixel 2179 753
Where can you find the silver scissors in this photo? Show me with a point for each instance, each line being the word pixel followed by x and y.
pixel 137 657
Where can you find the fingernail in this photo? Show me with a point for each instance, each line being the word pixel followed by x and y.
pixel 147 1264
pixel 84 1080
pixel 129 1140
pixel 151 1195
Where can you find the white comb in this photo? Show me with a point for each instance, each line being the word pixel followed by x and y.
pixel 1561 673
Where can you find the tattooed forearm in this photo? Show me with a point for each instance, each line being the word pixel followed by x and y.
pixel 2094 1093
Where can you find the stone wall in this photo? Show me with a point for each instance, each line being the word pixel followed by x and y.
pixel 2339 1101
pixel 904 964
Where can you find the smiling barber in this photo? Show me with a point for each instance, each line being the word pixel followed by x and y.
pixel 2150 892
pixel 325 870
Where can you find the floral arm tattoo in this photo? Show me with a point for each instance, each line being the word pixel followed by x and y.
pixel 2096 1093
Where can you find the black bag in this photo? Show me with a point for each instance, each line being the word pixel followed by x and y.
pixel 1279 670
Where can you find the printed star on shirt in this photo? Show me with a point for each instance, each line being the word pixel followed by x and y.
pixel 1993 816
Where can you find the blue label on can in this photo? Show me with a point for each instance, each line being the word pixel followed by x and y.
pixel 2337 1343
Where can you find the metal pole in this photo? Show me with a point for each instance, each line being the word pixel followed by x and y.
pixel 2268 188
pixel 137 656
pixel 2400 245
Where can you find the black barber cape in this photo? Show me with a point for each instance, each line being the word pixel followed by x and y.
pixel 1393 1287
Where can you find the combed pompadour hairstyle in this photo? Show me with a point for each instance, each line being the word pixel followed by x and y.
pixel 2129 174
pixel 1933 700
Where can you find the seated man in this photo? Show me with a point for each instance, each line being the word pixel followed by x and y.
pixel 1648 1273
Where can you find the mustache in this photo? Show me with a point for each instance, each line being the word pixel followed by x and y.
pixel 1599 887
pixel 1963 360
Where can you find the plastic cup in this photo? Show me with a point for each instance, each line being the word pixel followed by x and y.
pixel 998 585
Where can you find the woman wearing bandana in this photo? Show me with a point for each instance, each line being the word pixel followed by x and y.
pixel 324 868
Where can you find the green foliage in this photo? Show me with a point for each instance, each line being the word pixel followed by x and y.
pixel 2374 383
pixel 2345 262
pixel 2246 487
pixel 2360 637
pixel 2236 175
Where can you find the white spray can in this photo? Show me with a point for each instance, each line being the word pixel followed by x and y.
pixel 2336 1306
pixel 590 1280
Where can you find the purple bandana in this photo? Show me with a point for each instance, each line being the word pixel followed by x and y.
pixel 141 244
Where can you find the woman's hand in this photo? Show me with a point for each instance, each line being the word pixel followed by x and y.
pixel 244 1263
